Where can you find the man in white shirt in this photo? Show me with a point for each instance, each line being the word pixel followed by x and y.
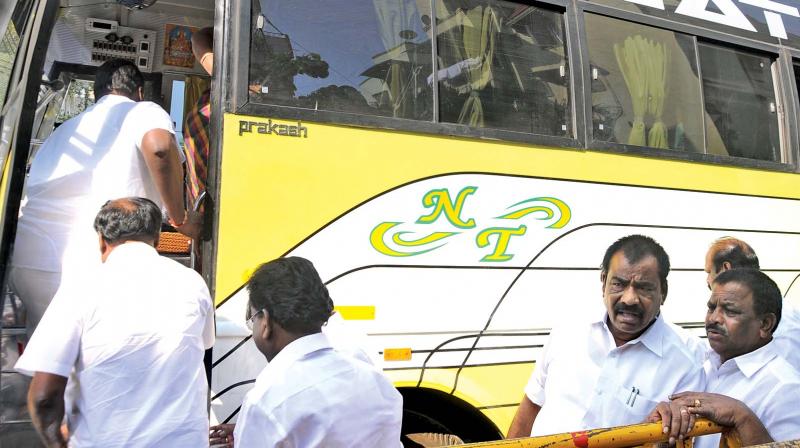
pixel 614 369
pixel 731 253
pixel 309 395
pixel 119 147
pixel 743 311
pixel 132 332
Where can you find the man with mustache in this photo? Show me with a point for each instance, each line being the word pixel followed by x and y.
pixel 613 369
pixel 731 253
pixel 750 387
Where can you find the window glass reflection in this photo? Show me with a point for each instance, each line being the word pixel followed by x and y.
pixel 360 56
pixel 740 104
pixel 503 65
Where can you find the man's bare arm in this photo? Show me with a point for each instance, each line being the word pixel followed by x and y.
pixel 523 419
pixel 46 406
pixel 161 156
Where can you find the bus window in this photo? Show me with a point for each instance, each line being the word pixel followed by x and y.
pixel 360 56
pixel 645 86
pixel 740 101
pixel 79 96
pixel 646 91
pixel 503 65
pixel 12 22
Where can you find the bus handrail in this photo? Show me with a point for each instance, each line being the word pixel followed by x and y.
pixel 616 437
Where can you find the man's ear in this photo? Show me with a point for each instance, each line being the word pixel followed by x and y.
pixel 603 281
pixel 141 93
pixel 726 266
pixel 266 331
pixel 767 326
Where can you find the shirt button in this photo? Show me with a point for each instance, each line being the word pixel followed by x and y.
pixel 599 392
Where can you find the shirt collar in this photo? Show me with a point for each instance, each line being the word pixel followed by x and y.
pixel 652 338
pixel 130 248
pixel 297 350
pixel 749 363
pixel 114 98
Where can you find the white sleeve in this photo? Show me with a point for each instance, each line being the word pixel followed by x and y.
pixel 149 116
pixel 56 342
pixel 254 427
pixel 782 416
pixel 207 307
pixel 209 329
pixel 535 389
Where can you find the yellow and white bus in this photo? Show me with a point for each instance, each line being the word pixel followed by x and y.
pixel 455 169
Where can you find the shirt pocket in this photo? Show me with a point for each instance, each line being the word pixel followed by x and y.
pixel 634 404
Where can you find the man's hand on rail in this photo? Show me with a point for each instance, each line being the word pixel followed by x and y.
pixel 720 409
pixel 676 420
pixel 725 411
pixel 192 226
pixel 679 414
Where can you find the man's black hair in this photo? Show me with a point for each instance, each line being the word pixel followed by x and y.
pixel 117 75
pixel 129 219
pixel 766 294
pixel 635 248
pixel 736 252
pixel 293 294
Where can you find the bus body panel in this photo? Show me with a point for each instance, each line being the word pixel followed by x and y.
pixel 466 253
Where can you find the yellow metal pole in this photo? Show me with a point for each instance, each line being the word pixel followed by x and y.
pixel 787 444
pixel 621 436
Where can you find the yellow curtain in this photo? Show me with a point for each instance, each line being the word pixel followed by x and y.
pixel 631 64
pixel 643 64
pixel 195 86
pixel 657 60
pixel 479 45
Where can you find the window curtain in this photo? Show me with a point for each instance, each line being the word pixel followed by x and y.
pixel 643 64
pixel 657 60
pixel 631 63
pixel 480 34
pixel 394 18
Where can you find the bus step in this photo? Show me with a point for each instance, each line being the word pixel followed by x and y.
pixel 18 434
pixel 11 344
pixel 13 397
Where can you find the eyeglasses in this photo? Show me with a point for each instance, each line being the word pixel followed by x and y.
pixel 252 319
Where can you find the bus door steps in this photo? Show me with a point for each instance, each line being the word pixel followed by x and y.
pixel 16 429
pixel 175 246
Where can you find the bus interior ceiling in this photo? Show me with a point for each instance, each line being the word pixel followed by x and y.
pixel 156 38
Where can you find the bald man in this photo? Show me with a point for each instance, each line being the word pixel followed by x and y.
pixel 732 253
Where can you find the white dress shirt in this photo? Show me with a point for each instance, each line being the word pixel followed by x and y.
pixel 763 381
pixel 583 380
pixel 134 330
pixel 787 336
pixel 310 395
pixel 89 159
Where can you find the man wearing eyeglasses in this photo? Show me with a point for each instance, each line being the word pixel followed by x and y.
pixel 309 395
